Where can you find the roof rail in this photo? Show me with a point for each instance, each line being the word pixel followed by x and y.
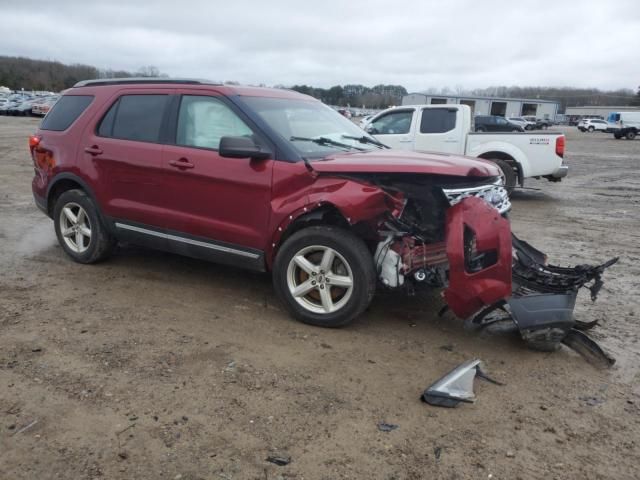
pixel 141 80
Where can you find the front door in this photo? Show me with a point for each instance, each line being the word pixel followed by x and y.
pixel 394 128
pixel 219 206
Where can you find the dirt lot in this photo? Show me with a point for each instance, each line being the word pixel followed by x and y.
pixel 152 366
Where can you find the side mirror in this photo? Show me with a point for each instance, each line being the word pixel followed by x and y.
pixel 241 147
pixel 372 130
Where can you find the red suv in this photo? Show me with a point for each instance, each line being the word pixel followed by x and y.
pixel 269 180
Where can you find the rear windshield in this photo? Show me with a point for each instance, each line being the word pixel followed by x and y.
pixel 65 112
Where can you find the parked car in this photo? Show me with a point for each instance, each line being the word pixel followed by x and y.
pixel 592 125
pixel 42 107
pixel 624 124
pixel 448 129
pixel 524 123
pixel 23 108
pixel 494 123
pixel 540 123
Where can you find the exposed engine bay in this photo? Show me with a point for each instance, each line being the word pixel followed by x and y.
pixel 492 279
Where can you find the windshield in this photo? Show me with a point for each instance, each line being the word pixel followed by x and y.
pixel 314 129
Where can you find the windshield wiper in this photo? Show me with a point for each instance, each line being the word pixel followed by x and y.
pixel 326 141
pixel 365 139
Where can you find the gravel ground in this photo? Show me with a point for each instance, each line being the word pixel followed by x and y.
pixel 153 366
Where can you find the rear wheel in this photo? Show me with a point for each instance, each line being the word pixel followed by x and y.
pixel 79 228
pixel 508 174
pixel 591 129
pixel 324 276
pixel 631 135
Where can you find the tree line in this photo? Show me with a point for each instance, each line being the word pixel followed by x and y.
pixel 355 95
pixel 20 72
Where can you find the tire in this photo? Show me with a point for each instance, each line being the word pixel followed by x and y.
pixel 86 240
pixel 508 174
pixel 352 262
pixel 630 135
pixel 616 136
pixel 591 129
pixel 481 129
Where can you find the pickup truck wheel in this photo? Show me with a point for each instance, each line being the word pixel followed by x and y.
pixel 508 174
pixel 324 276
pixel 631 135
pixel 79 228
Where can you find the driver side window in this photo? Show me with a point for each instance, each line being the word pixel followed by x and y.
pixel 203 121
pixel 393 123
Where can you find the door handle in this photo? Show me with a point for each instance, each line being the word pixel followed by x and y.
pixel 182 164
pixel 93 150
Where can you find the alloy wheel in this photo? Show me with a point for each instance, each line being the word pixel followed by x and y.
pixel 320 279
pixel 75 227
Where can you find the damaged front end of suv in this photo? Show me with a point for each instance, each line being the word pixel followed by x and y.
pixel 490 278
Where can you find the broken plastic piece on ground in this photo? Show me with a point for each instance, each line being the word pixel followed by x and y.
pixel 387 427
pixel 588 348
pixel 456 386
pixel 279 460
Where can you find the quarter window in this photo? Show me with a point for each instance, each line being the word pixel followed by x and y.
pixel 438 120
pixel 135 117
pixel 203 121
pixel 393 123
pixel 65 112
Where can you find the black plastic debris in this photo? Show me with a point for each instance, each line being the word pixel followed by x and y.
pixel 456 386
pixel 387 427
pixel 281 461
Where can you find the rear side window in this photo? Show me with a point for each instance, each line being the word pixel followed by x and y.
pixel 65 112
pixel 135 117
pixel 438 120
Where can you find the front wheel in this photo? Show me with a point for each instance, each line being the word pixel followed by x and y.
pixel 591 129
pixel 324 276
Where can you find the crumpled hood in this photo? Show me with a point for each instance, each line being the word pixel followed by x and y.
pixel 398 161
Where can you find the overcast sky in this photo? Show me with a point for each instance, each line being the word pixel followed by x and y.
pixel 418 44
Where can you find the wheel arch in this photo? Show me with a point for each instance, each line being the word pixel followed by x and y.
pixel 498 155
pixel 323 213
pixel 64 182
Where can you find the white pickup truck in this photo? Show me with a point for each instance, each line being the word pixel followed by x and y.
pixel 448 129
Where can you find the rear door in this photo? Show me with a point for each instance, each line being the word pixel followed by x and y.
pixel 219 206
pixel 395 128
pixel 124 148
pixel 439 130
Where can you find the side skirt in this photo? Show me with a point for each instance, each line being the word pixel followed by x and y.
pixel 188 245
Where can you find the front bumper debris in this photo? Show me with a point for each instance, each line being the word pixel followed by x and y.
pixel 456 386
pixel 542 303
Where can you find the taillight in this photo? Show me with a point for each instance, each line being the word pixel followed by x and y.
pixel 560 146
pixel 34 141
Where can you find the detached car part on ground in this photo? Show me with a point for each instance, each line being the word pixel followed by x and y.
pixel 292 187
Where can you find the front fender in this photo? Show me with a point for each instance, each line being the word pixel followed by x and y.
pixel 355 201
